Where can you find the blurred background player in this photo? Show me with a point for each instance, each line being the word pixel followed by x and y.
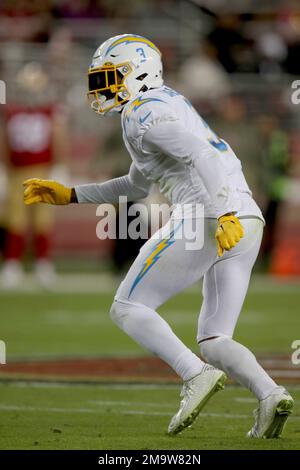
pixel 275 157
pixel 34 139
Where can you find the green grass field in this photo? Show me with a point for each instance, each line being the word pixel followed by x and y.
pixel 49 416
pixel 69 416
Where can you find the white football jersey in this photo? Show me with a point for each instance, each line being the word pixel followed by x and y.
pixel 172 160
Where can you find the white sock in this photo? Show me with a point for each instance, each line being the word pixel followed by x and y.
pixel 239 363
pixel 152 332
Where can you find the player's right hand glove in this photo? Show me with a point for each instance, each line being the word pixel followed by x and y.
pixel 228 233
pixel 48 191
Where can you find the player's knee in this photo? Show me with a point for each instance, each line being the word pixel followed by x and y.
pixel 117 312
pixel 121 311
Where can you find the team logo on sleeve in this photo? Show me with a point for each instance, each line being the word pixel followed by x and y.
pixel 138 102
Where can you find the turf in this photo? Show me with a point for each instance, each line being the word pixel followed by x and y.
pixel 37 416
pixel 59 324
pixel 64 324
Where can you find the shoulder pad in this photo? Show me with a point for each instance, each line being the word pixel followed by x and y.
pixel 145 111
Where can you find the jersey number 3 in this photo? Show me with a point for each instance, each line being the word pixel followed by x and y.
pixel 214 140
pixel 141 52
pixel 219 144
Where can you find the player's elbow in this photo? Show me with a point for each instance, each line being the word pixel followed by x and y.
pixel 141 193
pixel 140 187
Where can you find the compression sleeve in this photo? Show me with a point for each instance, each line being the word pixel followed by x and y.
pixel 134 186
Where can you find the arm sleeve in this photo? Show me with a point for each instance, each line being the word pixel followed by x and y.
pixel 174 140
pixel 134 186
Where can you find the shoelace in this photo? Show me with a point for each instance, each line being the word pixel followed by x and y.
pixel 187 388
pixel 186 392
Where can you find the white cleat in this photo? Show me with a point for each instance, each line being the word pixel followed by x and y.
pixel 45 273
pixel 12 274
pixel 272 414
pixel 196 392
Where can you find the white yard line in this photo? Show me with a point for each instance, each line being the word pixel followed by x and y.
pixel 107 283
pixel 4 407
pixel 273 362
pixel 129 403
pixel 290 374
pixel 206 415
pixel 245 400
pixel 115 386
pixel 106 386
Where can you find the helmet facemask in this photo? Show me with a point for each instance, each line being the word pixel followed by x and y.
pixel 122 67
pixel 107 88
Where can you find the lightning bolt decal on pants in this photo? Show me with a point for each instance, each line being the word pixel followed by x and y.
pixel 154 256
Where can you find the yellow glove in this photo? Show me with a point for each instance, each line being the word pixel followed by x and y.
pixel 228 233
pixel 51 192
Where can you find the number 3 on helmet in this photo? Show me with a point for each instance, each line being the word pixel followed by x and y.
pixel 122 67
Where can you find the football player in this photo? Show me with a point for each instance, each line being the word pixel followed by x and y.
pixel 172 146
pixel 34 140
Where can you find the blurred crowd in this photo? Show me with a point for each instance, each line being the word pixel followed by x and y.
pixel 248 39
pixel 236 66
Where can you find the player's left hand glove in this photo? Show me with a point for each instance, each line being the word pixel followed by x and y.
pixel 228 233
pixel 48 191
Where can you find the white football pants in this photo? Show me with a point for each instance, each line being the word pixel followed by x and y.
pixel 153 279
pixel 164 267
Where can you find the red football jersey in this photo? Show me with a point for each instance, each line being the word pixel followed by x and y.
pixel 29 134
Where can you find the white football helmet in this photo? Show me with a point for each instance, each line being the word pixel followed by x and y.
pixel 122 67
